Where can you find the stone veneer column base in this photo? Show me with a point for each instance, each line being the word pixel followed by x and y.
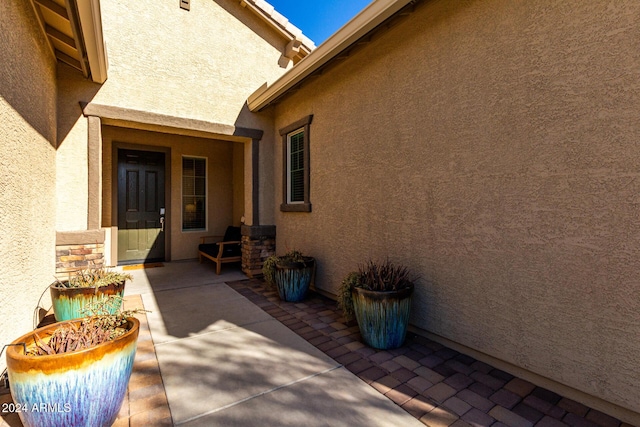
pixel 258 244
pixel 76 250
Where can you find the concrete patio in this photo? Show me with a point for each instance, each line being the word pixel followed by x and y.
pixel 225 351
pixel 224 361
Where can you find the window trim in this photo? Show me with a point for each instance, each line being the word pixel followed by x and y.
pixel 206 194
pixel 304 125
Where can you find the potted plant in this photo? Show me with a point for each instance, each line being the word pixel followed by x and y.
pixel 290 273
pixel 73 373
pixel 379 296
pixel 86 287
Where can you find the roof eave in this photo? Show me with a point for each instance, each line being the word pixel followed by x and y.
pixel 367 20
pixel 280 23
pixel 90 18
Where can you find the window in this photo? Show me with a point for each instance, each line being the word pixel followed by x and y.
pixel 295 172
pixel 295 141
pixel 194 193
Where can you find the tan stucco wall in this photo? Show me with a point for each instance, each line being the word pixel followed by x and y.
pixel 72 164
pixel 492 146
pixel 222 184
pixel 269 196
pixel 27 168
pixel 200 64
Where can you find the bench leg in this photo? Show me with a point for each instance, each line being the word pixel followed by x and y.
pixel 218 266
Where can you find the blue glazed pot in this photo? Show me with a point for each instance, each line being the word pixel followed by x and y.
pixel 77 389
pixel 293 279
pixel 383 317
pixel 69 302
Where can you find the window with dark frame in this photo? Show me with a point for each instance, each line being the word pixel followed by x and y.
pixel 296 177
pixel 295 173
pixel 194 193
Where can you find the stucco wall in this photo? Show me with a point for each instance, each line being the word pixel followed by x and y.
pixel 72 164
pixel 27 168
pixel 492 146
pixel 201 64
pixel 224 183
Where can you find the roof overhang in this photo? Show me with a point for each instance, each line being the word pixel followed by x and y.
pixel 378 12
pixel 90 18
pixel 74 31
pixel 299 45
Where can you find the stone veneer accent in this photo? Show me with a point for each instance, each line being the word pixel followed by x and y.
pixel 78 250
pixel 75 257
pixel 258 244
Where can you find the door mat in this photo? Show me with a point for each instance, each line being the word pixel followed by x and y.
pixel 140 266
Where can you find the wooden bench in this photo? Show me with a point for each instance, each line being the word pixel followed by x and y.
pixel 221 249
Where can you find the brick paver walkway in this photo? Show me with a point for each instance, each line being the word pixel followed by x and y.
pixel 437 385
pixel 146 401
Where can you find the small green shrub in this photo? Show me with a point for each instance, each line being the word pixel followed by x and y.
pixel 345 301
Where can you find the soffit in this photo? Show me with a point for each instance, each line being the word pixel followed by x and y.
pixel 58 19
pixel 74 31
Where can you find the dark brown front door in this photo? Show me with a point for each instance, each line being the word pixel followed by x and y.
pixel 140 206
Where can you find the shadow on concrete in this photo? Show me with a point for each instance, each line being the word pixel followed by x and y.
pixel 225 361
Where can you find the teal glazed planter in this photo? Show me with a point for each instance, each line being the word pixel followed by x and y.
pixel 77 389
pixel 293 279
pixel 382 317
pixel 69 302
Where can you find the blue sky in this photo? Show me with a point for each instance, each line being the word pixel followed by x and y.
pixel 318 19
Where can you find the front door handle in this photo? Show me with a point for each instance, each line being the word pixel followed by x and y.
pixel 161 219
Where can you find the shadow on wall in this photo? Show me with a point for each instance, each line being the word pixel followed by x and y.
pixel 72 88
pixel 33 82
pixel 27 69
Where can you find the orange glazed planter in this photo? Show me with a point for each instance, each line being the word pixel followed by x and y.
pixel 80 388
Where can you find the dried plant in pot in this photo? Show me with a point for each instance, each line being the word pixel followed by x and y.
pixel 86 287
pixel 290 273
pixel 73 373
pixel 378 295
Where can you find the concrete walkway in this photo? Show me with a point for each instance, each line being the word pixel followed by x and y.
pixel 226 362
